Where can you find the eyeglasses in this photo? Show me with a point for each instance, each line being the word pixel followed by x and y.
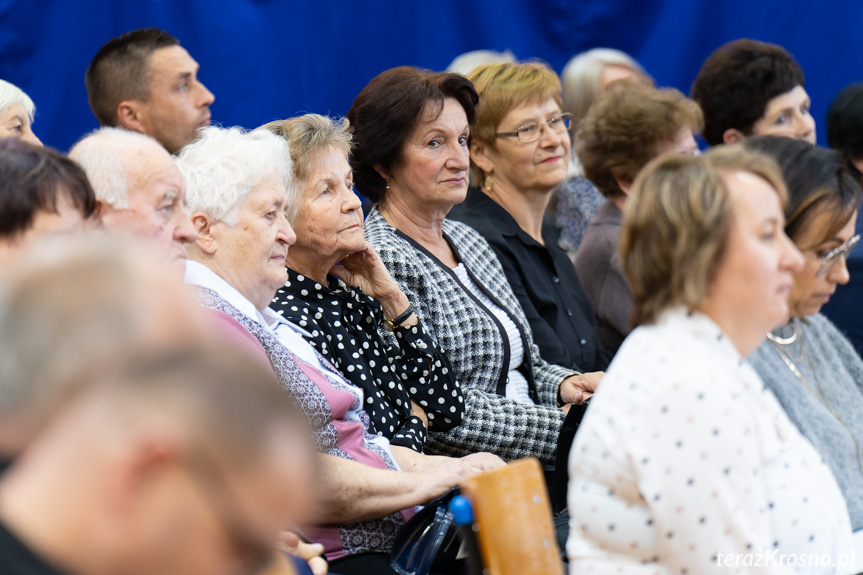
pixel 532 131
pixel 828 262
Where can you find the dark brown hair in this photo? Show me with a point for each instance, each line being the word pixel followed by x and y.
pixel 120 71
pixel 736 83
pixel 818 182
pixel 31 178
pixel 386 112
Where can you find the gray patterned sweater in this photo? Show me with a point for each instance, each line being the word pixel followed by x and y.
pixel 476 344
pixel 840 372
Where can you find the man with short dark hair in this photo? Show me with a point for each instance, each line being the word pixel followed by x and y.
pixel 146 82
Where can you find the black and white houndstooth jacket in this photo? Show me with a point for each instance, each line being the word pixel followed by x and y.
pixel 475 343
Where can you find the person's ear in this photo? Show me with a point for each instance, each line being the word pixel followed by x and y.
pixel 732 136
pixel 206 240
pixel 96 218
pixel 131 114
pixel 623 185
pixel 479 156
pixel 379 169
pixel 141 468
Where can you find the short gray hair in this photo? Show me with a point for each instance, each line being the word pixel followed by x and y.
pixel 225 164
pixel 466 63
pixel 10 94
pixel 108 157
pixel 581 75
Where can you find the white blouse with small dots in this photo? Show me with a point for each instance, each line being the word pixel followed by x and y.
pixel 686 463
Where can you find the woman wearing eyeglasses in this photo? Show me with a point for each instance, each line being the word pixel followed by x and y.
pixel 520 151
pixel 808 364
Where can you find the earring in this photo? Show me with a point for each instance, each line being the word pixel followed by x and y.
pixel 488 183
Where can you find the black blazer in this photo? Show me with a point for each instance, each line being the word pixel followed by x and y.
pixel 545 283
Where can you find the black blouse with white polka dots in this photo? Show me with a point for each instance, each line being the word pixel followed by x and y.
pixel 346 327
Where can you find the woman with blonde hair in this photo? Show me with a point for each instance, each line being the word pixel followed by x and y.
pixel 519 152
pixel 684 461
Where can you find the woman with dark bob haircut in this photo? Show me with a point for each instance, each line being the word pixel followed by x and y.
pixel 808 364
pixel 41 192
pixel 412 129
pixel 752 88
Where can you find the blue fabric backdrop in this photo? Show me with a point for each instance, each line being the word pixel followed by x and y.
pixel 271 59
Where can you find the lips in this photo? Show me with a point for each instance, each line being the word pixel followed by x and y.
pixel 551 160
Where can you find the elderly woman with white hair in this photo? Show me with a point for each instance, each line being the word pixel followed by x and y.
pixel 17 111
pixel 584 77
pixel 339 290
pixel 239 191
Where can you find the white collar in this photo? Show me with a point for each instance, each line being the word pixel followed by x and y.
pixel 200 275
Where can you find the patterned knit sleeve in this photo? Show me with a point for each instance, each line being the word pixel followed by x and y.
pixel 501 426
pixel 491 423
pixel 548 377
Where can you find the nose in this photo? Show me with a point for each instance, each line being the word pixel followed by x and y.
pixel 183 230
pixel 352 202
pixel 31 138
pixel 792 259
pixel 551 139
pixel 806 128
pixel 207 98
pixel 459 157
pixel 839 273
pixel 286 232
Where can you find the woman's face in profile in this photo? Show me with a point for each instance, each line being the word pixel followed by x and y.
pixel 816 281
pixel 15 123
pixel 754 278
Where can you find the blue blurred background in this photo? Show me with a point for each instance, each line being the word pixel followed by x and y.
pixel 272 59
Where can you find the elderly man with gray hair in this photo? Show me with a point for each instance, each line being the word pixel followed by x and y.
pixel 138 188
pixel 240 194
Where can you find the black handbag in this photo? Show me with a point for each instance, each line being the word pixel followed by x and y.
pixel 429 541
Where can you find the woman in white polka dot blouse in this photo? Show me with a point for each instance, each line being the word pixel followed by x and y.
pixel 685 462
pixel 347 308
